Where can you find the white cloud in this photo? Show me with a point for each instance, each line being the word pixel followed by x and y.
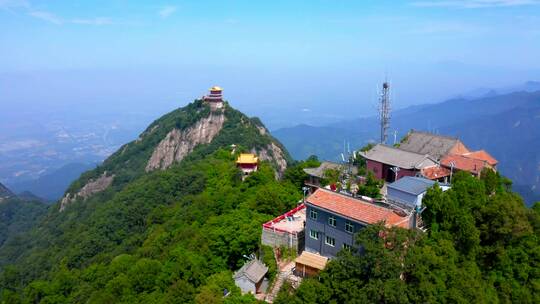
pixel 447 28
pixel 24 7
pixel 475 3
pixel 93 21
pixel 166 11
pixel 13 4
pixel 46 16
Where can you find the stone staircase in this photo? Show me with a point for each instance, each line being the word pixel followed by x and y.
pixel 278 282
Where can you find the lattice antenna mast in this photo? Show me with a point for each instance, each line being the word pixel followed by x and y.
pixel 384 111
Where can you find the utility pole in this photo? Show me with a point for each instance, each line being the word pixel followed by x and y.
pixel 452 165
pixel 395 170
pixel 305 190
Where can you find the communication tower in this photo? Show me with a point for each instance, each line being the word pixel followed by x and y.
pixel 384 111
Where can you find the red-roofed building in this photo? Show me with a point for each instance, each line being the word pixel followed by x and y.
pixel 332 219
pixel 482 155
pixel 428 155
pixel 436 173
pixel 464 163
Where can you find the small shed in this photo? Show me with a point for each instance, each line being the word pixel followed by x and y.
pixel 251 277
pixel 309 264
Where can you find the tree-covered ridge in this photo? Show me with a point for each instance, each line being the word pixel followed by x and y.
pixel 482 245
pixel 129 162
pixel 171 236
pixel 19 215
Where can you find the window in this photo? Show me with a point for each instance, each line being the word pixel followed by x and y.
pixel 313 214
pixel 314 234
pixel 349 227
pixel 332 221
pixel 330 241
pixel 347 247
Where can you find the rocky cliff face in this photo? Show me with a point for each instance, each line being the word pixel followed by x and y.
pixel 93 186
pixel 274 154
pixel 178 144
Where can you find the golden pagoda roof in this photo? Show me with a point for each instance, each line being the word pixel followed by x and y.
pixel 247 158
pixel 216 88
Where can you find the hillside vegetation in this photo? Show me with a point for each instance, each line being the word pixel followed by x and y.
pixel 169 237
pixel 164 236
pixel 18 216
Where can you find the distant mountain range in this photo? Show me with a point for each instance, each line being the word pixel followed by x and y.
pixel 507 125
pixel 51 186
pixel 529 86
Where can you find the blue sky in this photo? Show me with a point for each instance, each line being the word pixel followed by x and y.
pixel 299 55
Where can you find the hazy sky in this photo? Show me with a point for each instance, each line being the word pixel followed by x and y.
pixel 318 61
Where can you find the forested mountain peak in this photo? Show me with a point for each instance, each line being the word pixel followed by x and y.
pixel 192 131
pixel 165 219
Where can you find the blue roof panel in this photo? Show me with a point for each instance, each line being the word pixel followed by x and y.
pixel 412 185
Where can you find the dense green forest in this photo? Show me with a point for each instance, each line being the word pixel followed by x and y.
pixel 174 238
pixel 481 246
pixel 19 215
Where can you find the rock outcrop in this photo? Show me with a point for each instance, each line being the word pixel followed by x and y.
pixel 273 153
pixel 5 193
pixel 179 143
pixel 93 186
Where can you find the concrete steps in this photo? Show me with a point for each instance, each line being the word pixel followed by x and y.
pixel 278 282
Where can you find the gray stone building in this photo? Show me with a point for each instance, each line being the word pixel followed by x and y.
pixel 251 277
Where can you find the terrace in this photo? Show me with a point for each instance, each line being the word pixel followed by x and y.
pixel 286 230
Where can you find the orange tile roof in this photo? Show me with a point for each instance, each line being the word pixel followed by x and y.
pixel 435 172
pixel 356 209
pixel 482 155
pixel 464 163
